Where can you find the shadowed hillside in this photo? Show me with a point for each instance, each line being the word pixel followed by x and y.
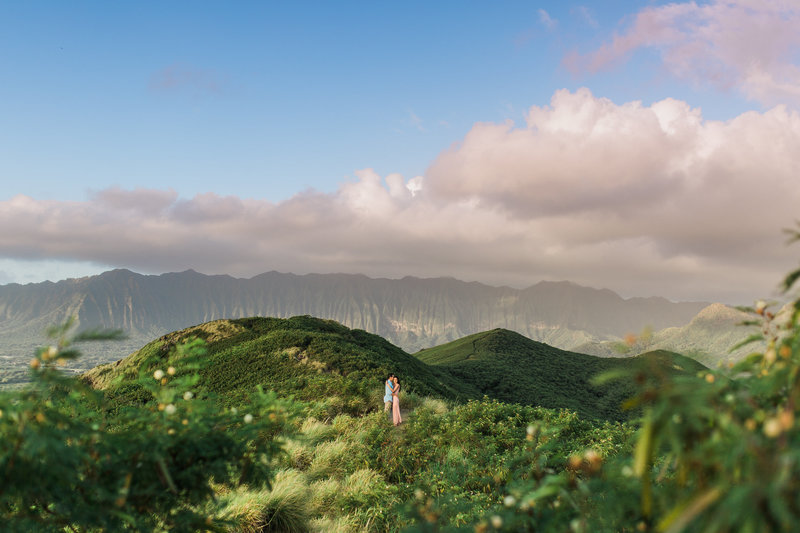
pixel 512 368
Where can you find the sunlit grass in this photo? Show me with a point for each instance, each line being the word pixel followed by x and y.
pixel 284 509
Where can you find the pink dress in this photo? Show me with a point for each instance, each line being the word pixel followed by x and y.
pixel 396 418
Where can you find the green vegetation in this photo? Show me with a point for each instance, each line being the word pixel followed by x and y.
pixel 509 367
pixel 160 442
pixel 309 359
pixel 181 436
pixel 66 465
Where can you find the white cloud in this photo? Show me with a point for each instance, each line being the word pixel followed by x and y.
pixel 751 45
pixel 547 20
pixel 641 199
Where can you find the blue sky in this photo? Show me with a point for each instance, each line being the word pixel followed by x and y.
pixel 281 105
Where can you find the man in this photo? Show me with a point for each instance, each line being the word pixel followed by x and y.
pixel 387 393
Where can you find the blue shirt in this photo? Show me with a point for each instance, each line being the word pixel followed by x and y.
pixel 387 396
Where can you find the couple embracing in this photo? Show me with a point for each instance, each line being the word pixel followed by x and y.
pixel 391 398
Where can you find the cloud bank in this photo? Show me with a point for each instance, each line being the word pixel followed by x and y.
pixel 645 200
pixel 749 44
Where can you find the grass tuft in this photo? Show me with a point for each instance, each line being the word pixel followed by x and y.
pixel 315 431
pixel 435 405
pixel 283 509
pixel 329 459
pixel 298 455
pixel 324 494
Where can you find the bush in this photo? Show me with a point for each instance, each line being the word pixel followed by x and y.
pixel 68 460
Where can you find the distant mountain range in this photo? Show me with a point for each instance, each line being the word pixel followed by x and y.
pixel 412 313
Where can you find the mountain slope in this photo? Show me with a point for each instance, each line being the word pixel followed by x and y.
pixel 410 312
pixel 305 357
pixel 315 359
pixel 505 365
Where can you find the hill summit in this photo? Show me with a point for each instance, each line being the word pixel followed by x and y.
pixel 507 366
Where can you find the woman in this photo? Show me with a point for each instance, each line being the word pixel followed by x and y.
pixel 396 418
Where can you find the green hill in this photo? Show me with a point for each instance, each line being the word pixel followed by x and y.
pixel 512 368
pixel 323 361
pixel 305 357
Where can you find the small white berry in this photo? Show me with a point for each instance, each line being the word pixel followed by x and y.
pixel 158 374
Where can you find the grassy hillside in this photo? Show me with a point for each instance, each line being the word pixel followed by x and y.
pixel 308 358
pixel 342 370
pixel 183 458
pixel 511 368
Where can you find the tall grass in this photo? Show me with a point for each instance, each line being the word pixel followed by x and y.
pixel 369 498
pixel 315 431
pixel 435 405
pixel 298 455
pixel 329 459
pixel 324 494
pixel 283 509
pixel 340 524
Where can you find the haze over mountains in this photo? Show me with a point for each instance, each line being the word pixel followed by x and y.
pixel 412 313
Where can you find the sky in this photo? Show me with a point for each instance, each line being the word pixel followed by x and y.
pixel 647 147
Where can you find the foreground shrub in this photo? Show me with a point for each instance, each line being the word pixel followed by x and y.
pixel 67 461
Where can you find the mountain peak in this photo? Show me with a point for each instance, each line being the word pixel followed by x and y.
pixel 717 312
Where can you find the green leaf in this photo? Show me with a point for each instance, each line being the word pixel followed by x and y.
pixel 790 280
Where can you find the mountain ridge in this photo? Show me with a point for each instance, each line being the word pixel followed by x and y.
pixel 410 312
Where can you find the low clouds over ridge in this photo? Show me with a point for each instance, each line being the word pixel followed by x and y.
pixel 641 199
